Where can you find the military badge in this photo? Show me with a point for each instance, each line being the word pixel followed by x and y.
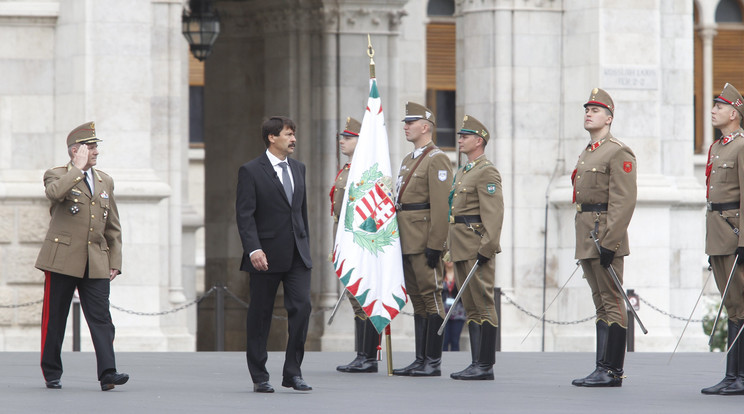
pixel 75 192
pixel 104 194
pixel 442 175
pixel 491 188
pixel 105 214
pixel 627 166
pixel 74 210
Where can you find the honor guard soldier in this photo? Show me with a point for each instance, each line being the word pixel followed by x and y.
pixel 604 184
pixel 423 184
pixel 82 250
pixel 475 220
pixel 724 242
pixel 366 338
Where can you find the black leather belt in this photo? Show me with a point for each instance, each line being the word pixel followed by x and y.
pixel 733 205
pixel 466 219
pixel 412 206
pixel 598 208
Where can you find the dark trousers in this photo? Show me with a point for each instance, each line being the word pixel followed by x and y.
pixel 452 332
pixel 263 287
pixel 94 300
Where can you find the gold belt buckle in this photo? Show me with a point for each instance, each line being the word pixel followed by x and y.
pixel 578 207
pixel 451 219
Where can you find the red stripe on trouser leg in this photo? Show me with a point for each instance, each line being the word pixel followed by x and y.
pixel 45 314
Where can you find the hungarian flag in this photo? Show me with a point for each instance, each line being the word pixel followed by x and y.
pixel 367 255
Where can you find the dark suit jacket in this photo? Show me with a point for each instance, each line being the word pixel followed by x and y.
pixel 265 218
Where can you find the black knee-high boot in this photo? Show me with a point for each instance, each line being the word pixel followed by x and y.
pixel 602 332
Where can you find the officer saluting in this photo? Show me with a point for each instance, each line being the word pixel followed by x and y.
pixel 423 184
pixel 605 195
pixel 82 251
pixel 724 177
pixel 366 337
pixel 476 218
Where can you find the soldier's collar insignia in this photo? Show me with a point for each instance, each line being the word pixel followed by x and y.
pixel 595 145
pixel 730 137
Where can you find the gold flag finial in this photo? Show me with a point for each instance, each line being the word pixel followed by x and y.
pixel 371 54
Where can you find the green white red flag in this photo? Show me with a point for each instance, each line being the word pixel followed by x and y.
pixel 367 254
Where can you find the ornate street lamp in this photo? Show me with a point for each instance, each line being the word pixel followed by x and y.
pixel 200 24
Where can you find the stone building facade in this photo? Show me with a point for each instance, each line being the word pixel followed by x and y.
pixel 523 67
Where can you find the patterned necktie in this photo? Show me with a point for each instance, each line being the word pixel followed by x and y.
pixel 87 184
pixel 286 182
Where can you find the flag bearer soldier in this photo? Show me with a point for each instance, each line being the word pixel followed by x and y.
pixel 604 184
pixel 475 220
pixel 366 337
pixel 423 185
pixel 724 242
pixel 82 251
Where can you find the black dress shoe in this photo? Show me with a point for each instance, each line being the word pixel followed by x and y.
pixel 263 387
pixel 54 384
pixel 109 380
pixel 297 383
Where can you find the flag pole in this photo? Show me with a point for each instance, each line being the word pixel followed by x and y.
pixel 389 343
pixel 371 54
pixel 388 339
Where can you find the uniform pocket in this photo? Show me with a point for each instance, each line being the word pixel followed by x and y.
pixel 56 247
pixel 727 170
pixel 596 176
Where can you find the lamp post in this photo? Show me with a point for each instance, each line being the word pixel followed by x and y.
pixel 200 24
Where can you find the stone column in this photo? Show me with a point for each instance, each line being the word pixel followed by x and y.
pixel 707 34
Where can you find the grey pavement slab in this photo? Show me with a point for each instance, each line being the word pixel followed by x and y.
pixel 208 382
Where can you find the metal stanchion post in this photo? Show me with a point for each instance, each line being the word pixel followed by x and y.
pixel 75 323
pixel 219 313
pixel 630 340
pixel 497 299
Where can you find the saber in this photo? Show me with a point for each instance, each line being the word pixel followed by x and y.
pixel 619 286
pixel 690 318
pixel 578 263
pixel 723 297
pixel 335 307
pixel 462 289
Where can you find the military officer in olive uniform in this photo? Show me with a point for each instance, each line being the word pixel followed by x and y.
pixel 604 184
pixel 82 250
pixel 422 188
pixel 476 218
pixel 724 243
pixel 366 337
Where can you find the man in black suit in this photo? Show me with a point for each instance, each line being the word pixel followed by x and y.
pixel 271 210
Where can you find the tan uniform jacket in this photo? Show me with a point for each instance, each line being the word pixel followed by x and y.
pixel 430 183
pixel 606 174
pixel 337 195
pixel 84 228
pixel 724 186
pixel 476 192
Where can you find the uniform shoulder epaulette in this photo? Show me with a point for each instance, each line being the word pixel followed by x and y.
pixel 616 142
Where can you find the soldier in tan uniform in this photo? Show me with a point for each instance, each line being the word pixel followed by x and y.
pixel 422 188
pixel 724 242
pixel 476 217
pixel 605 195
pixel 82 251
pixel 366 337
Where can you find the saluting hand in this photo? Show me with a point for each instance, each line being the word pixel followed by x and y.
pixel 259 261
pixel 80 156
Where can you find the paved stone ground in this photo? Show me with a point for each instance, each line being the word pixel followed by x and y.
pixel 219 383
